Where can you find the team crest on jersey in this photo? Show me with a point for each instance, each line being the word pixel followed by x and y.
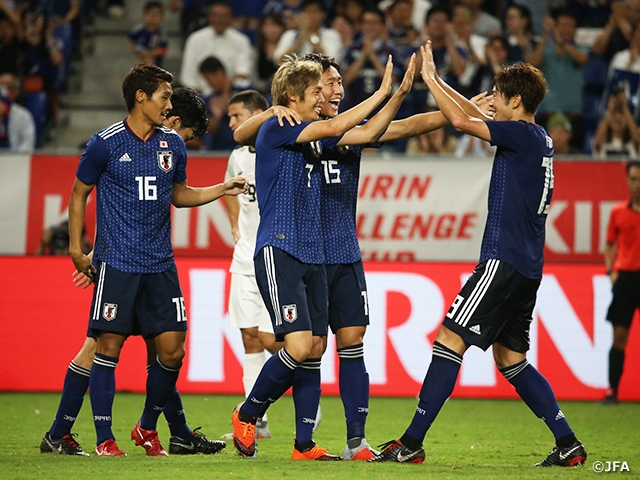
pixel 109 311
pixel 316 148
pixel 164 144
pixel 290 313
pixel 165 161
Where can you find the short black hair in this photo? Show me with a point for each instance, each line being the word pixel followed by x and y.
pixel 437 9
pixel 305 3
pixel 325 60
pixel 187 104
pixel 146 77
pixel 251 99
pixel 376 11
pixel 631 164
pixel 211 65
pixel 151 4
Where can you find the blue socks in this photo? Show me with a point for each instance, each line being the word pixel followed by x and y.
pixel 75 386
pixel 174 413
pixel 274 380
pixel 161 383
pixel 436 388
pixel 354 389
pixel 306 397
pixel 536 392
pixel 102 389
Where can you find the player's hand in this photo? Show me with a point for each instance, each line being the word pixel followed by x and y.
pixel 81 280
pixel 429 71
pixel 387 79
pixel 83 265
pixel 236 186
pixel 407 81
pixel 288 114
pixel 484 102
pixel 235 232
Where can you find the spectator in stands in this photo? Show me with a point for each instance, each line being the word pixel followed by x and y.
pixel 497 54
pixel 616 34
pixel 222 41
pixel 193 15
pixel 520 33
pixel 470 146
pixel 147 39
pixel 560 130
pixel 402 34
pixel 310 36
pixel 12 47
pixel 419 9
pixel 246 14
pixel 484 24
pixel 344 28
pixel 561 61
pixel 628 59
pixel 439 142
pixel 352 11
pixel 43 57
pixel 21 126
pixel 617 133
pixel 219 136
pixel 270 29
pixel 365 59
pixel 289 10
pixel 472 47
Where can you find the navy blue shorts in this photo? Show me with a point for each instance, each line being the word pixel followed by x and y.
pixel 348 301
pixel 133 303
pixel 294 293
pixel 494 306
pixel 626 299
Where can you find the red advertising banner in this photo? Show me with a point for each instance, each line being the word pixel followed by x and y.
pixel 45 321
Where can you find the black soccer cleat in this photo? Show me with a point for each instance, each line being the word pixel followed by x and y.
pixel 197 443
pixel 565 457
pixel 395 451
pixel 66 445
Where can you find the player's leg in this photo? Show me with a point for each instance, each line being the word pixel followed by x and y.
pixel 620 314
pixel 348 319
pixel 59 438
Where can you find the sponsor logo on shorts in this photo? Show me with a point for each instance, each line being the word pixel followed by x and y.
pixel 475 329
pixel 290 313
pixel 109 311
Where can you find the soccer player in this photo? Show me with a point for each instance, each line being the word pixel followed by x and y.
pixel 348 308
pixel 289 247
pixel 246 308
pixel 495 306
pixel 622 261
pixel 188 118
pixel 138 167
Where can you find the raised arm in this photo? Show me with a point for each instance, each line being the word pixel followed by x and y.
pixel 345 121
pixel 247 132
pixel 460 120
pixel 185 196
pixel 371 131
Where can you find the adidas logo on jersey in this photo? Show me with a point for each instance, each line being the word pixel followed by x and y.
pixel 475 329
pixel 125 158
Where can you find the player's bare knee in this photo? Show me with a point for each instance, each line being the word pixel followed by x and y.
pixel 172 358
pixel 350 336
pixel 505 357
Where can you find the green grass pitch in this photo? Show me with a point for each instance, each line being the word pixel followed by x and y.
pixel 471 439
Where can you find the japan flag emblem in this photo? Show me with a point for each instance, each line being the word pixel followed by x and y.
pixel 165 161
pixel 164 144
pixel 109 311
pixel 290 313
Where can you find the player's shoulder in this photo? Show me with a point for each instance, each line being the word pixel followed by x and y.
pixel 111 131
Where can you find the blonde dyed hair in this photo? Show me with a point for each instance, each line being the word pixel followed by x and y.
pixel 292 78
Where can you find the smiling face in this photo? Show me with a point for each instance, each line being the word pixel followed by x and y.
pixel 333 92
pixel 501 106
pixel 155 109
pixel 310 104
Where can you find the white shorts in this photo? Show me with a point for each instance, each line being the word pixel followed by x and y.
pixel 246 307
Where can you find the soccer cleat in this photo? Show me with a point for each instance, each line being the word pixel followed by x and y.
pixel 395 451
pixel 314 453
pixel 263 429
pixel 109 448
pixel 244 435
pixel 565 457
pixel 196 443
pixel 66 445
pixel 610 398
pixel 362 452
pixel 149 440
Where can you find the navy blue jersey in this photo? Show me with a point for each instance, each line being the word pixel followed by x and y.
pixel 288 181
pixel 145 40
pixel 519 195
pixel 134 180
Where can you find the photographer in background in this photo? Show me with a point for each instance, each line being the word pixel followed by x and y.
pixel 617 133
pixel 55 240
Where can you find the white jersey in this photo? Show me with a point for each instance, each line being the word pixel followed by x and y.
pixel 242 161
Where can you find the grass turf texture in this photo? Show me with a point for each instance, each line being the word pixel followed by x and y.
pixel 472 439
